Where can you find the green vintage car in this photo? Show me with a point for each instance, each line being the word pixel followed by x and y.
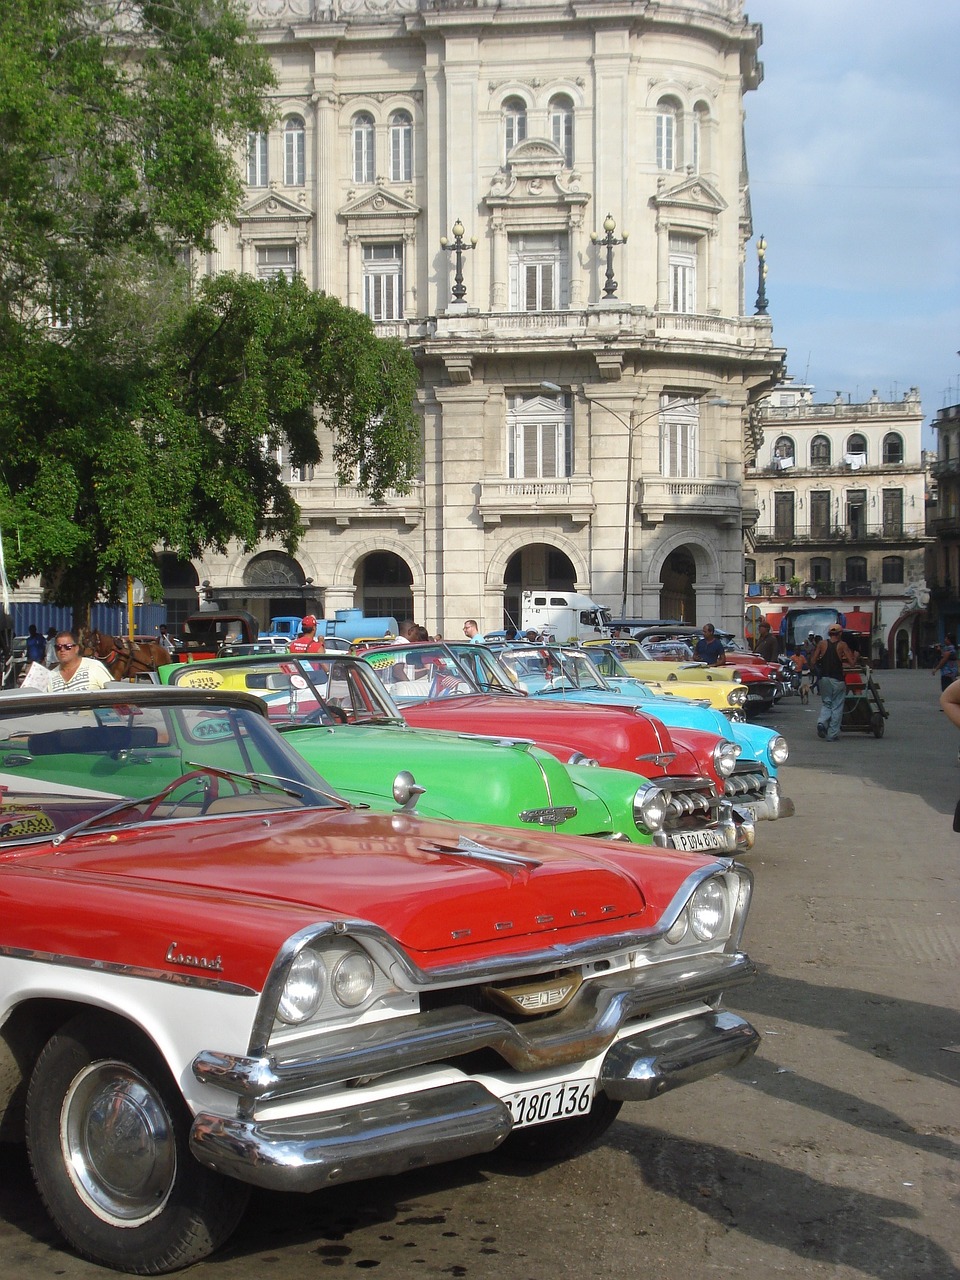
pixel 336 714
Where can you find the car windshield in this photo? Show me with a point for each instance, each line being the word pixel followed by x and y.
pixel 548 669
pixel 70 763
pixel 666 650
pixel 419 672
pixel 297 689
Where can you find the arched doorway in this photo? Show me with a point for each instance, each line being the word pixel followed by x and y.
pixel 180 581
pixel 537 565
pixel 902 647
pixel 275 587
pixel 383 586
pixel 678 597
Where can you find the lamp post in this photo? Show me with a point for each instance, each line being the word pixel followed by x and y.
pixel 608 242
pixel 632 426
pixel 761 277
pixel 458 249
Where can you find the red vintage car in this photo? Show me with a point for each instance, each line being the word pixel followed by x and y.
pixel 463 687
pixel 216 973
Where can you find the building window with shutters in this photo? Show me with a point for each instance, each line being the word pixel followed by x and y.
pixel 856 513
pixel 820 513
pixel 820 451
pixel 383 281
pixel 294 152
pixel 539 438
pixel 683 273
pixel 892 513
pixel 364 138
pixel 783 570
pixel 514 123
pixel 679 436
pixel 820 569
pixel 561 125
pixel 784 520
pixel 401 146
pixel 892 569
pixel 668 134
pixel 892 448
pixel 258 172
pixel 538 272
pixel 276 260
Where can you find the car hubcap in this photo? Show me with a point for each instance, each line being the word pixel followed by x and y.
pixel 118 1143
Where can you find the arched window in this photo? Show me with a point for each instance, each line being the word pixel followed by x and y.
pixel 258 175
pixel 668 134
pixel 892 569
pixel 892 448
pixel 820 452
pixel 294 151
pixel 856 571
pixel 783 569
pixel 363 147
pixel 561 125
pixel 749 570
pixel 856 446
pixel 514 123
pixel 784 452
pixel 819 569
pixel 401 146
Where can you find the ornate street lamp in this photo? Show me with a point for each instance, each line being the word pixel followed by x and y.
pixel 761 277
pixel 608 241
pixel 458 249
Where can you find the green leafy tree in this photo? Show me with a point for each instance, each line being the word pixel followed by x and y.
pixel 150 417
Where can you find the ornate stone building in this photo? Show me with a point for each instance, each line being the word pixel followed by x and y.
pixel 587 366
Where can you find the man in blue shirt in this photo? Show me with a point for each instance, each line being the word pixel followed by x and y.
pixel 472 631
pixel 709 649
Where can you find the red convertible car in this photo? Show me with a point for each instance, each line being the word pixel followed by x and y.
pixel 216 973
pixel 463 687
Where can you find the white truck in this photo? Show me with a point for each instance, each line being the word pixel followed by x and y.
pixel 563 615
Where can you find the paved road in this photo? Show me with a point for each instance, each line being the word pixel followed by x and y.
pixel 833 1153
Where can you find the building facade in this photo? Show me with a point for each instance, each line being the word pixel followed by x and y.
pixel 944 525
pixel 840 501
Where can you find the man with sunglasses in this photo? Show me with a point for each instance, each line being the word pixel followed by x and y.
pixel 831 658
pixel 73 672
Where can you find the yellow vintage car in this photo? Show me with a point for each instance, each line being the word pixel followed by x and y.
pixel 612 658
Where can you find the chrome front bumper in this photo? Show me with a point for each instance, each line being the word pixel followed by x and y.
pixel 391 1135
pixel 766 808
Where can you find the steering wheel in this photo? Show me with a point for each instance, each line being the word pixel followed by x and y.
pixel 211 792
pixel 325 711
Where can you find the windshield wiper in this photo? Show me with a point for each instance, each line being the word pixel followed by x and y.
pixel 271 780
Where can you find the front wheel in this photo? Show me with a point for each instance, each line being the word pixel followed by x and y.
pixel 107 1135
pixel 876 724
pixel 561 1139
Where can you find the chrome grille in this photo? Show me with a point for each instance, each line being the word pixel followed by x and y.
pixel 693 803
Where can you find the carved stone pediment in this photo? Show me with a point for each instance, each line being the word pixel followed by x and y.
pixel 379 204
pixel 271 206
pixel 691 193
pixel 536 173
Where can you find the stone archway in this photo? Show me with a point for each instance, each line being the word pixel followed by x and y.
pixel 524 560
pixel 687 572
pixel 678 594
pixel 348 588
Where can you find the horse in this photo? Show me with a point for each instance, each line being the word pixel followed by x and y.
pixel 124 663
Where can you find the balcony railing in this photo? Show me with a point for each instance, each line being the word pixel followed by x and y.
pixel 323 499
pixel 715 499
pixel 600 323
pixel 570 496
pixel 912 530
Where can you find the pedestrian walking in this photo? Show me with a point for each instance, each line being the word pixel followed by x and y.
pixel 947 666
pixel 768 645
pixel 306 641
pixel 831 658
pixel 36 645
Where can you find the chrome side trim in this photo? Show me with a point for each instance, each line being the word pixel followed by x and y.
pixel 177 979
pixel 586 1027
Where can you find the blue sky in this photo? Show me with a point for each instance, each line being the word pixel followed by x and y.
pixel 853 146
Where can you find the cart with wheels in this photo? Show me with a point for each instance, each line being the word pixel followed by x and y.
pixel 863 709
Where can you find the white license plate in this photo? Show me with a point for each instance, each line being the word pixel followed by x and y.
pixel 695 841
pixel 562 1101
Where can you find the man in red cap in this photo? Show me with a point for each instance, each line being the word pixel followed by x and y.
pixel 306 641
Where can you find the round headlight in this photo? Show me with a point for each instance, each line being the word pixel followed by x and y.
pixel 725 755
pixel 353 979
pixel 708 910
pixel 778 750
pixel 650 807
pixel 737 696
pixel 303 989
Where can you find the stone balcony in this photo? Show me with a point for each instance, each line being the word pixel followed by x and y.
pixel 719 501
pixel 569 496
pixel 323 501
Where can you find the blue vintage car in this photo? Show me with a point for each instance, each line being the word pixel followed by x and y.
pixel 561 672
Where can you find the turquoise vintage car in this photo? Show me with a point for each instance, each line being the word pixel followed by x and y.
pixel 335 713
pixel 562 673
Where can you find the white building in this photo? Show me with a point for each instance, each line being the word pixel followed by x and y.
pixel 840 491
pixel 577 432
